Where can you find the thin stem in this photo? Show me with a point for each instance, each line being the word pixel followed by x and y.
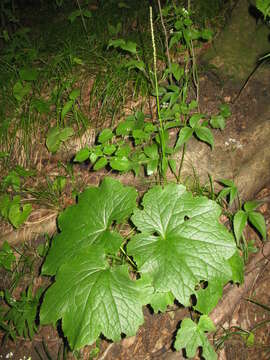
pixel 166 38
pixel 161 128
pixel 128 258
pixel 83 21
pixel 195 73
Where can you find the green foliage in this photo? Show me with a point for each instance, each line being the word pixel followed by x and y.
pixel 128 46
pixel 242 216
pixel 11 207
pixel 180 248
pixel 78 13
pixel 20 319
pixel 111 202
pixel 249 214
pixel 95 277
pixel 192 335
pixel 264 7
pixel 91 266
pixel 56 136
pixel 114 147
pixel 163 249
pixel 230 190
pixel 7 257
pixel 172 107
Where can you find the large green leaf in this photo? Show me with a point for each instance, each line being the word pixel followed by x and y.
pixel 89 222
pixel 182 241
pixel 93 298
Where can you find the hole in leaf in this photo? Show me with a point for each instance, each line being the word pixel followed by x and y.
pixel 193 300
pixel 204 284
pixel 186 218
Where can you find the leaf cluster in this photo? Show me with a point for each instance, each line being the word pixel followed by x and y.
pixel 20 318
pixel 179 243
pixel 11 207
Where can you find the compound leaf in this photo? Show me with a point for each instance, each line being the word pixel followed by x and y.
pixel 89 222
pixel 182 242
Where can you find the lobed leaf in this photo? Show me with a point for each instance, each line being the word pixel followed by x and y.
pixel 191 335
pixel 91 298
pixel 181 241
pixel 89 222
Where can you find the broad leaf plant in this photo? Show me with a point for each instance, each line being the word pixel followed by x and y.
pixel 178 244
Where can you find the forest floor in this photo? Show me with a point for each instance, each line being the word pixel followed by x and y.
pixel 246 332
pixel 154 339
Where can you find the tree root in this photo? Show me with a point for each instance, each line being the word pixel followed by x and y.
pixel 31 230
pixel 233 294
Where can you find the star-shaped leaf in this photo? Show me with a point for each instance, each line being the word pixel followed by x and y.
pixel 182 241
pixel 90 222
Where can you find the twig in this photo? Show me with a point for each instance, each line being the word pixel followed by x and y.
pixel 103 356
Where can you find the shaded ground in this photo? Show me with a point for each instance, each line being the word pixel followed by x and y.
pixel 154 339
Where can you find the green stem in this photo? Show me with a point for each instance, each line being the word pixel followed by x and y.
pixel 161 127
pixel 128 258
pixel 166 40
